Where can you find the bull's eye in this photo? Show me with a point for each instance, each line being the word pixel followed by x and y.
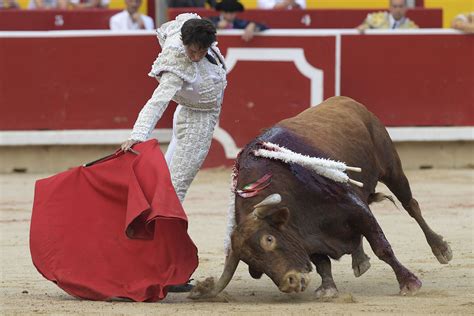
pixel 268 242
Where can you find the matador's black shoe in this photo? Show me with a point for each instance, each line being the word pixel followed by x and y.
pixel 181 288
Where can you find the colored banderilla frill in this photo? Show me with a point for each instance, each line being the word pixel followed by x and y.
pixel 252 189
pixel 328 168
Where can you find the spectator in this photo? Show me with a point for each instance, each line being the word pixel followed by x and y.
pixel 8 4
pixel 88 4
pixel 48 4
pixel 131 19
pixel 281 4
pixel 464 22
pixel 395 19
pixel 228 19
pixel 191 3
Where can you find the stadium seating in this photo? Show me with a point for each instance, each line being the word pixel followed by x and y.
pixel 319 18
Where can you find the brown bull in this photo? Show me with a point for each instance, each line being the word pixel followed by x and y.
pixel 301 217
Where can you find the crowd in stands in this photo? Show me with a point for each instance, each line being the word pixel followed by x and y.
pixel 191 3
pixel 56 4
pixel 227 19
pixel 48 4
pixel 394 18
pixel 261 4
pixel 9 4
pixel 227 11
pixel 88 4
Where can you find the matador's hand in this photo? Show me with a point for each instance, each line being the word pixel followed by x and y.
pixel 127 145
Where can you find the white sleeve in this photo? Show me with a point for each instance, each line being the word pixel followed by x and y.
pixel 114 23
pixel 149 24
pixel 266 4
pixel 154 108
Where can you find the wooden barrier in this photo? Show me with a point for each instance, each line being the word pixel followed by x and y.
pixel 91 85
pixel 318 18
pixel 45 20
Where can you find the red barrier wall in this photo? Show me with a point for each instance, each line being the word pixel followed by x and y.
pixel 266 90
pixel 319 18
pixel 100 81
pixel 411 80
pixel 46 20
pixel 74 83
pixel 42 20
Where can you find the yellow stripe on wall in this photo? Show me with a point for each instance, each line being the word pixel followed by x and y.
pixel 23 3
pixel 120 4
pixel 248 4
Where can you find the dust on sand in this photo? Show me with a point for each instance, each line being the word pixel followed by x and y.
pixel 445 196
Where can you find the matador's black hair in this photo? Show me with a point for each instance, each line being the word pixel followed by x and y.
pixel 199 32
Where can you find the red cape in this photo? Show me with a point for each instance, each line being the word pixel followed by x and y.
pixel 113 229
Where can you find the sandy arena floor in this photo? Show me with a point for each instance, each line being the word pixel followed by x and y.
pixel 446 197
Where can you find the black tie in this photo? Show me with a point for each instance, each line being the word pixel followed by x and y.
pixel 211 59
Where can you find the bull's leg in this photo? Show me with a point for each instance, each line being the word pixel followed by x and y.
pixel 323 267
pixel 368 226
pixel 360 261
pixel 398 184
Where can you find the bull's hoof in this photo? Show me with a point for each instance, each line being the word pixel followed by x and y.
pixel 325 292
pixel 360 267
pixel 411 286
pixel 360 263
pixel 441 250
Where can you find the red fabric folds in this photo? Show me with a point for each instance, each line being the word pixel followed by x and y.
pixel 113 229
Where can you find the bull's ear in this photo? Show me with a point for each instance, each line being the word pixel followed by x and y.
pixel 278 216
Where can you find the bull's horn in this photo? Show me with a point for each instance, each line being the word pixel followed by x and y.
pixel 259 210
pixel 202 290
pixel 272 199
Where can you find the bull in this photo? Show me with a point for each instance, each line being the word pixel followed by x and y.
pixel 288 216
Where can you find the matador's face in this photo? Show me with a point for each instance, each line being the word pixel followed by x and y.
pixel 194 52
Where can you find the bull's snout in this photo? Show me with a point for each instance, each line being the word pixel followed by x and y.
pixel 294 282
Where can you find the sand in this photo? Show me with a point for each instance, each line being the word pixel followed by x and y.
pixel 446 198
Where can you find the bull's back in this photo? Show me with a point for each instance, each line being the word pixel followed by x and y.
pixel 345 130
pixel 336 121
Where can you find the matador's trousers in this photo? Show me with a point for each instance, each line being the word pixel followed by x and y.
pixel 192 136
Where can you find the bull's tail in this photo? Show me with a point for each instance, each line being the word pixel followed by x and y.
pixel 379 197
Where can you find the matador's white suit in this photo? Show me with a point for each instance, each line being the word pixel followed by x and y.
pixel 198 88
